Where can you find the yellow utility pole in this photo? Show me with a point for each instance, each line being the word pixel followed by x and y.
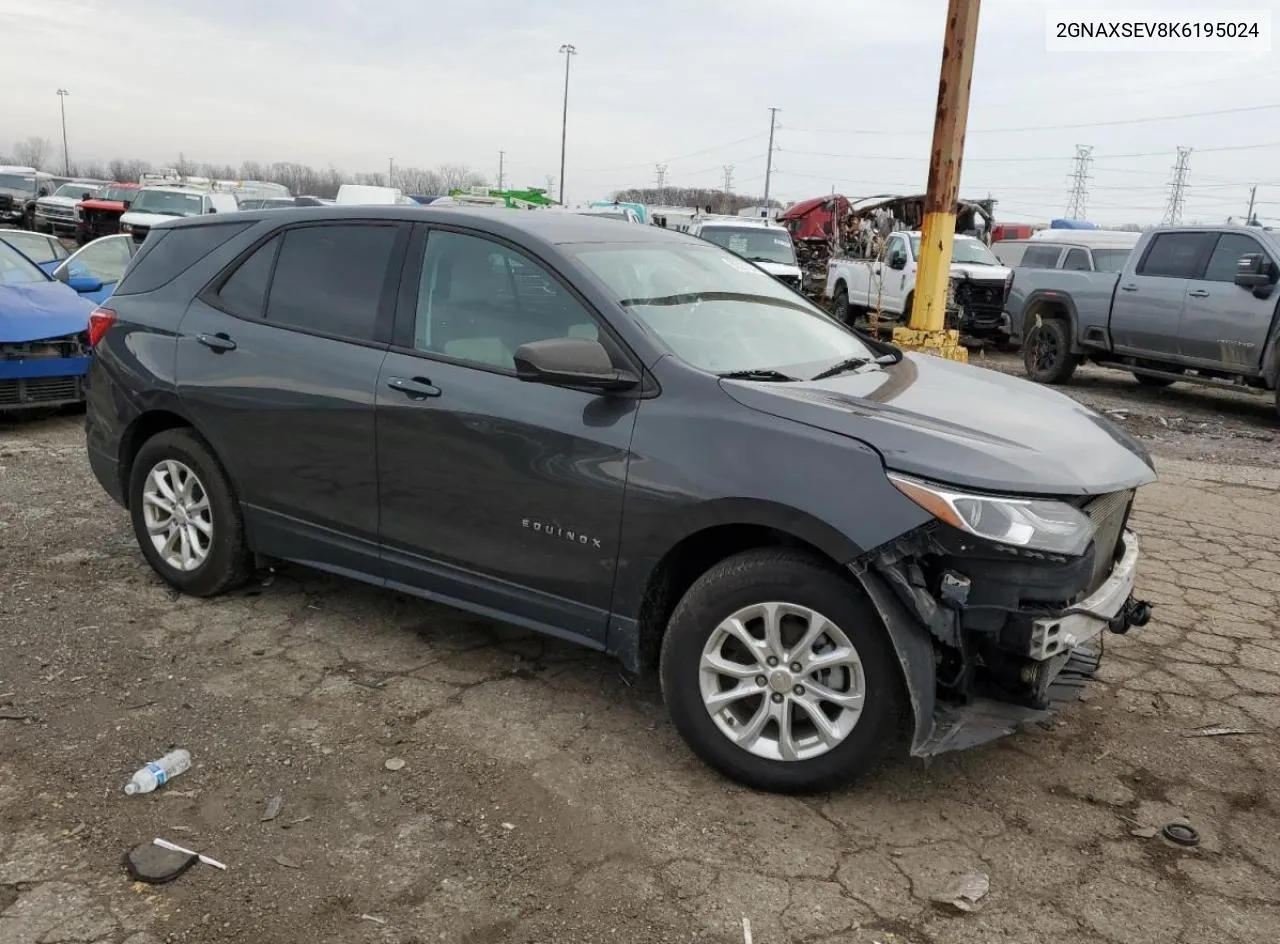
pixel 927 331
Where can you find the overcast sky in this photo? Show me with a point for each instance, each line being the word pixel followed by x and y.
pixel 685 83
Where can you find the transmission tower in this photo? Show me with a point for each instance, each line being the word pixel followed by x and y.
pixel 1177 188
pixel 662 183
pixel 1078 195
pixel 728 187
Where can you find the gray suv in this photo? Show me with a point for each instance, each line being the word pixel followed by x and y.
pixel 628 438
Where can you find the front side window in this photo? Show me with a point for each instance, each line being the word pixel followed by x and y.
pixel 479 301
pixel 1176 255
pixel 1226 256
pixel 17 269
pixel 718 313
pixel 35 246
pixel 330 279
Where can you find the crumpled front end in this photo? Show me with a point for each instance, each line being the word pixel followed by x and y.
pixel 991 636
pixel 45 373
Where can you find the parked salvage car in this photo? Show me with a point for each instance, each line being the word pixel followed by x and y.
pixel 56 213
pixel 102 261
pixel 19 189
pixel 154 205
pixel 45 251
pixel 628 438
pixel 44 338
pixel 100 215
pixel 1193 303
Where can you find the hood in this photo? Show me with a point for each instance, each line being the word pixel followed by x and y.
pixel 41 310
pixel 964 426
pixel 779 268
pixel 68 202
pixel 142 218
pixel 979 273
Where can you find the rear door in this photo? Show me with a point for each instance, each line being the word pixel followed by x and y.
pixel 1223 324
pixel 278 363
pixel 1148 302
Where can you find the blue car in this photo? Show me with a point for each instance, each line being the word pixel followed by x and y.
pixel 45 251
pixel 44 342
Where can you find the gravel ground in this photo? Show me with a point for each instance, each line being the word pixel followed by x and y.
pixel 543 799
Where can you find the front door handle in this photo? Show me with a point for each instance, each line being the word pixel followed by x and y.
pixel 418 388
pixel 218 343
pixel 1130 287
pixel 1198 293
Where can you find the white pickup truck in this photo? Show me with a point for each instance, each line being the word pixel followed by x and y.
pixel 979 286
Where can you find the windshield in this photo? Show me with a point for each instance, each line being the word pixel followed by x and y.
pixel 17 269
pixel 118 194
pixel 718 313
pixel 1110 260
pixel 18 182
pixel 753 242
pixel 74 190
pixel 168 203
pixel 964 249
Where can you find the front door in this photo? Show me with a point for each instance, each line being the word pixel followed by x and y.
pixel 497 493
pixel 1148 303
pixel 277 362
pixel 893 281
pixel 1224 325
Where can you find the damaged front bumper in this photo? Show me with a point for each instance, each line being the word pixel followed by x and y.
pixel 976 672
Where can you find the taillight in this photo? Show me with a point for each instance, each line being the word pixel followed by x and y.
pixel 100 319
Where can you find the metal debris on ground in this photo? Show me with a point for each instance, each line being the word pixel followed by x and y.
pixel 374 918
pixel 1182 834
pixel 1216 731
pixel 965 891
pixel 746 930
pixel 295 822
pixel 394 763
pixel 273 808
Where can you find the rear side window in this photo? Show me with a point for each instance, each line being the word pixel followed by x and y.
pixel 330 279
pixel 1177 255
pixel 174 252
pixel 1077 260
pixel 1041 257
pixel 244 293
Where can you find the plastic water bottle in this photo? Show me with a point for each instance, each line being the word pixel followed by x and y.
pixel 158 772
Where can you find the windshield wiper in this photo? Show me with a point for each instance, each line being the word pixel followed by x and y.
pixel 774 375
pixel 853 363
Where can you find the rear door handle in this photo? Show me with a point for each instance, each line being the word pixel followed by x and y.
pixel 1129 288
pixel 419 388
pixel 218 343
pixel 1198 293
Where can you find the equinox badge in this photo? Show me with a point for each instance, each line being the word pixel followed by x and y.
pixel 554 530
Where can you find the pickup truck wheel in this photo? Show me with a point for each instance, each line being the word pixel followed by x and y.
pixel 777 672
pixel 185 515
pixel 840 305
pixel 1148 381
pixel 1046 352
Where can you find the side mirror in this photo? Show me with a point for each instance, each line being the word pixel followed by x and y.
pixel 897 261
pixel 84 283
pixel 571 362
pixel 213 209
pixel 125 204
pixel 1255 270
pixel 86 195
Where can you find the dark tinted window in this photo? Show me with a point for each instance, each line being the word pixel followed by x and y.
pixel 1226 255
pixel 1176 255
pixel 245 292
pixel 1041 257
pixel 174 252
pixel 479 301
pixel 330 279
pixel 1077 260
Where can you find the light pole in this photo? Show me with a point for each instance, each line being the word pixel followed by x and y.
pixel 62 101
pixel 569 53
pixel 391 168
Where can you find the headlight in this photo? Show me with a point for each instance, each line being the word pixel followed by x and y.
pixel 126 227
pixel 1038 524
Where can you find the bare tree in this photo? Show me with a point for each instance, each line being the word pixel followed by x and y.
pixel 127 171
pixel 33 152
pixel 184 167
pixel 453 176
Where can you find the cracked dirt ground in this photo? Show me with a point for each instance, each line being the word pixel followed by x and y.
pixel 543 799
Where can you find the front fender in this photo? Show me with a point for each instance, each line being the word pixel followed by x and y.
pixel 1050 297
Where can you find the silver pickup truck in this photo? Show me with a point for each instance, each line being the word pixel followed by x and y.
pixel 1194 303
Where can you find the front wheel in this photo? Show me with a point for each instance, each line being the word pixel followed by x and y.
pixel 185 515
pixel 840 304
pixel 1046 352
pixel 777 672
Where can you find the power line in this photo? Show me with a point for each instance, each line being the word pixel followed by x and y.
pixel 1177 188
pixel 1024 160
pixel 672 160
pixel 1078 197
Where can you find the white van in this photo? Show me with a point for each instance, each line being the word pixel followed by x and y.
pixel 154 205
pixel 366 195
pixel 766 244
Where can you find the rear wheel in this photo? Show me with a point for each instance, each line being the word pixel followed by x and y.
pixel 777 673
pixel 1046 352
pixel 1148 381
pixel 840 304
pixel 185 515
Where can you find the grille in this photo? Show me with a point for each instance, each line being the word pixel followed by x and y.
pixel 35 390
pixel 1109 514
pixel 6 202
pixel 980 295
pixel 57 212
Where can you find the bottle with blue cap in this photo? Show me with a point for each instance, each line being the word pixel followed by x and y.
pixel 158 772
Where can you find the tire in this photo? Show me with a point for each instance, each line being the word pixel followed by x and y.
pixel 798 580
pixel 906 307
pixel 1148 381
pixel 840 304
pixel 226 562
pixel 1046 352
